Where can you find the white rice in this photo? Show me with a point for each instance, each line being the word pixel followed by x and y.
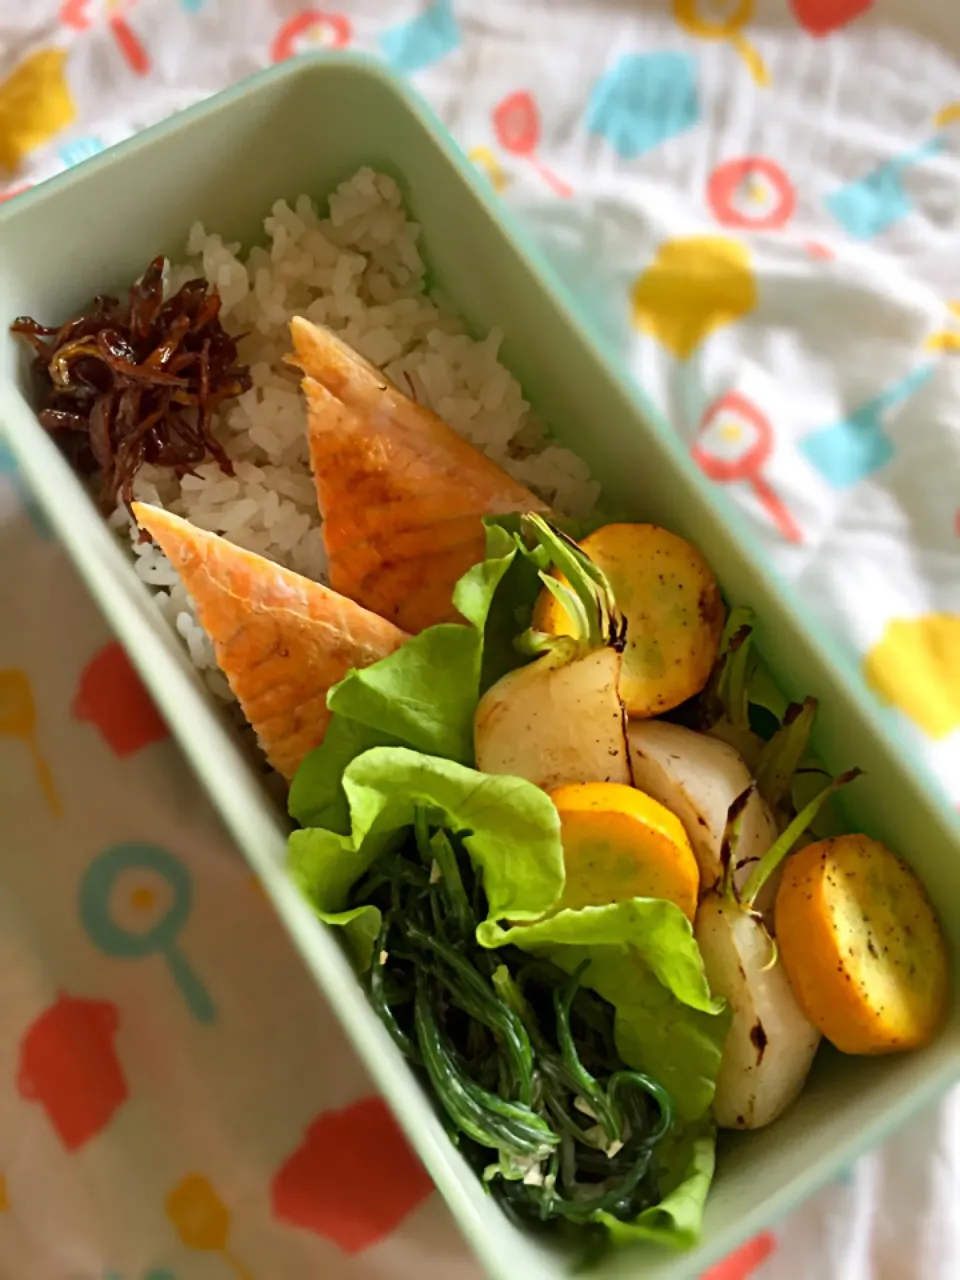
pixel 359 272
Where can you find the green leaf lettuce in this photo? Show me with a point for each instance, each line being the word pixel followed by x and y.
pixel 424 695
pixel 510 829
pixel 645 962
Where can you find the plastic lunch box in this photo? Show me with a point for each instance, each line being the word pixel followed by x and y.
pixel 304 126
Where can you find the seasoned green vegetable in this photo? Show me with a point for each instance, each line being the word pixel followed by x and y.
pixel 513 1027
pixel 520 1055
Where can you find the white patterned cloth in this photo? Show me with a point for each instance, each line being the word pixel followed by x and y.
pixel 757 204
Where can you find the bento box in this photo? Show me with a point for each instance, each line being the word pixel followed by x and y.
pixel 304 127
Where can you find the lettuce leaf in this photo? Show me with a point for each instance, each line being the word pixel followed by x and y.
pixel 645 962
pixel 688 1158
pixel 316 797
pixel 424 695
pixel 497 817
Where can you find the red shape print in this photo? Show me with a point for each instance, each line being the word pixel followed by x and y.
pixel 129 45
pixel 111 696
pixel 727 181
pixel 353 1179
pixel 744 1261
pixel 68 1065
pixel 818 250
pixel 73 14
pixel 516 121
pixel 8 195
pixel 331 30
pixel 821 17
pixel 76 15
pixel 749 463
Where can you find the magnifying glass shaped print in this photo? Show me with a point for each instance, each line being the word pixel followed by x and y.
pixel 310 27
pixel 116 939
pixel 760 176
pixel 516 121
pixel 690 15
pixel 736 427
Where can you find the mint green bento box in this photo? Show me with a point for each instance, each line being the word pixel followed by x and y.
pixel 304 126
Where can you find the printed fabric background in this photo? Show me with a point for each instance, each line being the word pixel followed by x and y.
pixel 758 203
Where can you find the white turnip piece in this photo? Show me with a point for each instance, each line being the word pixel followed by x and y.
pixel 556 721
pixel 560 719
pixel 698 778
pixel 771 1044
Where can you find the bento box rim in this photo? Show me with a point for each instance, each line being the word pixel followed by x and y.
pixel 307 65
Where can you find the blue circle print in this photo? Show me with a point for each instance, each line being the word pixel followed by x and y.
pixel 113 938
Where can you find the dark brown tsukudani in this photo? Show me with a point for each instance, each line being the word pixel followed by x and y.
pixel 123 385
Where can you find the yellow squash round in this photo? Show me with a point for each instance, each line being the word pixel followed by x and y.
pixel 671 601
pixel 862 946
pixel 618 844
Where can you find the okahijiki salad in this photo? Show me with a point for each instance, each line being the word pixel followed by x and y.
pixel 542 787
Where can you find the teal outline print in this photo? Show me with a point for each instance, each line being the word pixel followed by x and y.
pixel 848 451
pixel 125 944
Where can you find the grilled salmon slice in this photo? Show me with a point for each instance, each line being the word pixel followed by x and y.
pixel 401 494
pixel 281 640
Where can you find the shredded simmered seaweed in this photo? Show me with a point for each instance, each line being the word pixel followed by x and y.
pixel 520 1056
pixel 123 385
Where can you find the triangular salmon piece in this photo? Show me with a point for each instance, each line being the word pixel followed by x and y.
pixel 401 494
pixel 281 640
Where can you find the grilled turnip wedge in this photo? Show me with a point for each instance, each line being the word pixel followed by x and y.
pixel 771 1044
pixel 698 775
pixel 559 720
pixel 698 778
pixel 556 721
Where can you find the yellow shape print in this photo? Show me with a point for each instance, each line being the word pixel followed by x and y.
pixel 35 104
pixel 484 159
pixel 916 667
pixel 947 115
pixel 945 339
pixel 694 285
pixel 202 1220
pixel 756 192
pixel 18 719
pixel 689 15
